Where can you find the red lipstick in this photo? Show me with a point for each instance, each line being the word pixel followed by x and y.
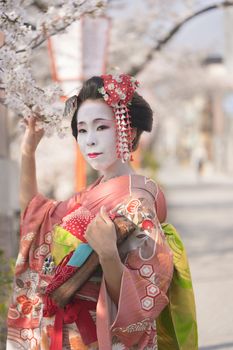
pixel 93 155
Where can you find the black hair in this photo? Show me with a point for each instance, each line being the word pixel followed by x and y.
pixel 139 110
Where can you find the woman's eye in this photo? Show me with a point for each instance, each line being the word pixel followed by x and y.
pixel 102 127
pixel 99 128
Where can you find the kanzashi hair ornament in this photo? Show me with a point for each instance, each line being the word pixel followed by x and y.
pixel 118 92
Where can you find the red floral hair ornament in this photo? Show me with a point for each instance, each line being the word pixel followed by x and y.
pixel 118 92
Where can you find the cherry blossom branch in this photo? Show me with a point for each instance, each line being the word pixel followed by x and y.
pixel 18 39
pixel 170 34
pixel 43 36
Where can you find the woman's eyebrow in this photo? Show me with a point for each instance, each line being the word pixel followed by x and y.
pixel 96 121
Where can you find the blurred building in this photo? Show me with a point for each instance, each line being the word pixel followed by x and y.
pixel 9 202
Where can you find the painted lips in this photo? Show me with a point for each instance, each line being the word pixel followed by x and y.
pixel 93 155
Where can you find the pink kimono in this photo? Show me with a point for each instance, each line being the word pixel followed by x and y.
pixel 148 269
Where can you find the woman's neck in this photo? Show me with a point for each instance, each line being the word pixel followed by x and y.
pixel 117 169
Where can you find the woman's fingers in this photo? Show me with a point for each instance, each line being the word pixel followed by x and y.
pixel 32 121
pixel 104 215
pixel 25 122
pixel 32 125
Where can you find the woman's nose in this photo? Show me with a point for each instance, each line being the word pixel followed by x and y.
pixel 91 139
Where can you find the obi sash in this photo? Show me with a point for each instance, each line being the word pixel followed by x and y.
pixel 70 250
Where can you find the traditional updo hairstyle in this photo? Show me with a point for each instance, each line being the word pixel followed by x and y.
pixel 139 110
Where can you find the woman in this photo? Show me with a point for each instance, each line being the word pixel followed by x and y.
pixel 118 306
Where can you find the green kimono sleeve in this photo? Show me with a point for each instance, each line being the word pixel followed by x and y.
pixel 177 325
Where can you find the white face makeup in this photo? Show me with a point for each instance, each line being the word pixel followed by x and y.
pixel 97 134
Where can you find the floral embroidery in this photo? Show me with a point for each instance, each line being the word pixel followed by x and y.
pixel 48 266
pixel 132 206
pixel 20 260
pixel 153 347
pixel 136 211
pixel 28 237
pixel 26 305
pixel 140 326
pixel 147 226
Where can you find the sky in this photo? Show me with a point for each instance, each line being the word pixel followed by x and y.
pixel 205 31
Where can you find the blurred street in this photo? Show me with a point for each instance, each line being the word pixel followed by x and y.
pixel 202 212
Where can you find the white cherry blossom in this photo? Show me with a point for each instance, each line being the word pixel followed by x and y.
pixel 22 33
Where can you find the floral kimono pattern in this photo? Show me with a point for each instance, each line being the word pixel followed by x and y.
pixel 147 272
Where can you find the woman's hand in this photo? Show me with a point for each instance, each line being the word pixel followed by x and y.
pixel 31 137
pixel 101 235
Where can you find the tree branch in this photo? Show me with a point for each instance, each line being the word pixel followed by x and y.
pixel 40 6
pixel 41 38
pixel 162 42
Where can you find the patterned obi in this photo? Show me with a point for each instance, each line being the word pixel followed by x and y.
pixel 69 251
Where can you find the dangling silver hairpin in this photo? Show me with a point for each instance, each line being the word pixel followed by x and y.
pixel 70 107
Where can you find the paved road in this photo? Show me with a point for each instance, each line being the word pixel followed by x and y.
pixel 203 214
